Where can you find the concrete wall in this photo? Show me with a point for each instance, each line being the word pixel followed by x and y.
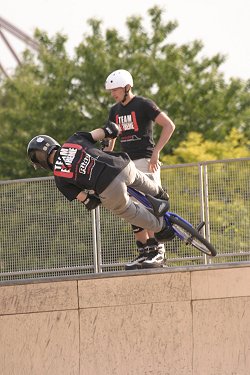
pixel 165 322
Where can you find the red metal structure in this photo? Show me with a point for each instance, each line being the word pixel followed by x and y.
pixel 19 34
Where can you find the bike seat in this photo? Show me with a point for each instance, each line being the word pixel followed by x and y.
pixel 160 207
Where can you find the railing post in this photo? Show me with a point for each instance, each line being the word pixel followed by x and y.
pixel 202 203
pixel 206 202
pixel 98 239
pixel 95 251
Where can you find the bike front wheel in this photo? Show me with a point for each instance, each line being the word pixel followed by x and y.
pixel 191 236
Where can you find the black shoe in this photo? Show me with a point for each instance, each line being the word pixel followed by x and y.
pixel 137 262
pixel 160 207
pixel 155 256
pixel 154 260
pixel 162 195
pixel 166 234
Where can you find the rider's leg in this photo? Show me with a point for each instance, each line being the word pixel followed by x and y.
pixel 153 250
pixel 116 199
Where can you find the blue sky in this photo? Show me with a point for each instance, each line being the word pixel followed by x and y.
pixel 222 25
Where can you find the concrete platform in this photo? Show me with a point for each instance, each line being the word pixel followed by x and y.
pixel 171 321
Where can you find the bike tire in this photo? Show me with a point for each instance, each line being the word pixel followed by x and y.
pixel 191 236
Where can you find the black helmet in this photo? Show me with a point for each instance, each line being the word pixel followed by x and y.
pixel 39 149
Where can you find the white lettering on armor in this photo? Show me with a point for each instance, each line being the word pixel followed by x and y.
pixel 84 164
pixel 68 154
pixel 87 165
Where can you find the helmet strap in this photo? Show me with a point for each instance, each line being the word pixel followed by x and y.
pixel 126 91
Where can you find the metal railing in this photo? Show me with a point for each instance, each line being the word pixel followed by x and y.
pixel 43 235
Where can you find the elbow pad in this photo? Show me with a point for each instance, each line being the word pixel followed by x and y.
pixel 111 130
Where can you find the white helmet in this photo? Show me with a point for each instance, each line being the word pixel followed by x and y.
pixel 118 78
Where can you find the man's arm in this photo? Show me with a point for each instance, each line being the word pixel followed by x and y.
pixel 97 134
pixel 167 130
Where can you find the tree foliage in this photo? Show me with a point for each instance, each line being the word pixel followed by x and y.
pixel 195 148
pixel 57 94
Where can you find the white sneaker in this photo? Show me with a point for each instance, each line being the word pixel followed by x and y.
pixel 155 254
pixel 137 262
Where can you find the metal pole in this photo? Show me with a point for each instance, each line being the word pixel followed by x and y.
pixel 18 33
pixel 10 47
pixel 95 257
pixel 202 204
pixel 207 222
pixel 98 240
pixel 206 203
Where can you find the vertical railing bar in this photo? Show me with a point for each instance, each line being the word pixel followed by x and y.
pixel 98 240
pixel 95 251
pixel 206 200
pixel 202 203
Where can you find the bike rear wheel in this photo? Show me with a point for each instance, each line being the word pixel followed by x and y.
pixel 191 236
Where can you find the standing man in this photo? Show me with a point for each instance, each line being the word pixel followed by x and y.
pixel 135 116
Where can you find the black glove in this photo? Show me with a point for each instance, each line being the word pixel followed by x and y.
pixel 104 143
pixel 91 202
pixel 111 130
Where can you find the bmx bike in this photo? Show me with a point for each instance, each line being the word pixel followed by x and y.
pixel 181 227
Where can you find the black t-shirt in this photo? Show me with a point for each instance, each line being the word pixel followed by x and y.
pixel 80 165
pixel 135 120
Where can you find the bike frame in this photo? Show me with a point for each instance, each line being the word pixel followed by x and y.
pixel 142 199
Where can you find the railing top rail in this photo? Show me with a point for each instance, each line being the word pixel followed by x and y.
pixel 200 163
pixel 24 180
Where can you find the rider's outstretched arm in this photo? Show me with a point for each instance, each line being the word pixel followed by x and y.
pixel 98 134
